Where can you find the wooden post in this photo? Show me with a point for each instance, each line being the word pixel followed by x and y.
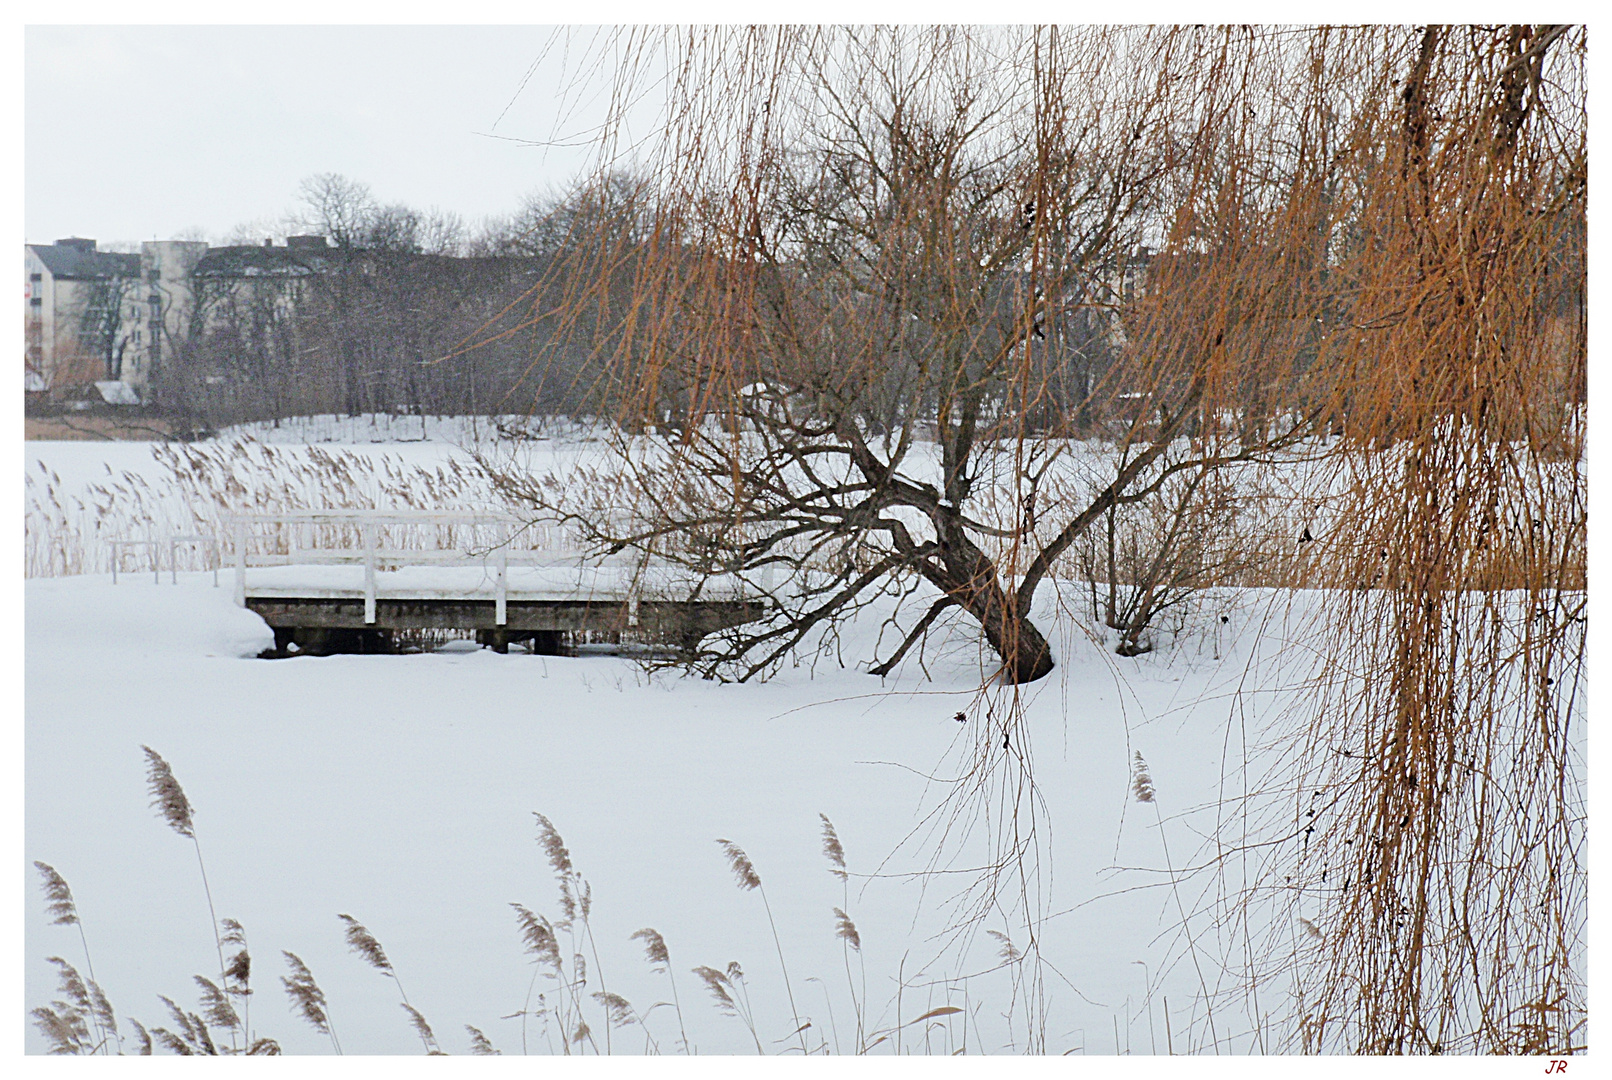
pixel 501 604
pixel 240 562
pixel 369 572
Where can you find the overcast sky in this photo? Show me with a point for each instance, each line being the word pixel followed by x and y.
pixel 135 133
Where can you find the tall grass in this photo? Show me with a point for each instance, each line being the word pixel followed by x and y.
pixel 576 1012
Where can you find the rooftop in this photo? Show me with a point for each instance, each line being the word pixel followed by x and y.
pixel 75 257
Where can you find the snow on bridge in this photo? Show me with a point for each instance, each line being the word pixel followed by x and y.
pixel 349 579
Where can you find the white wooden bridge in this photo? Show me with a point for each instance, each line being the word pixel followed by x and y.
pixel 348 580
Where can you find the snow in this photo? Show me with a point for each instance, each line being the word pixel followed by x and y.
pixel 573 579
pixel 114 392
pixel 400 790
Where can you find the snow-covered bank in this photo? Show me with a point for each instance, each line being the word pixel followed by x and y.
pixel 399 789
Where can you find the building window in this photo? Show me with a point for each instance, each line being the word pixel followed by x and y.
pixel 35 277
pixel 36 301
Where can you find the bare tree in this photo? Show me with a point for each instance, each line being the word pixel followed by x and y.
pixel 891 274
pixel 879 277
pixel 101 317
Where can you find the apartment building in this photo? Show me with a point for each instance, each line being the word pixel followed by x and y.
pixel 94 318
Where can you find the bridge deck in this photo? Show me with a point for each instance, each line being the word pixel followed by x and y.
pixel 334 597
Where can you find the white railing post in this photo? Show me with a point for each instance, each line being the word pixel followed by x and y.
pixel 240 562
pixel 501 603
pixel 369 572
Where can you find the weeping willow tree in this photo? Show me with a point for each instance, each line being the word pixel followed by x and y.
pixel 1440 773
pixel 866 292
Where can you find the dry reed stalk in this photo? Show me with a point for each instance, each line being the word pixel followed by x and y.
pixel 745 873
pixel 216 1009
pixel 656 953
pixel 64 912
pixel 479 1044
pixel 1143 791
pixel 143 1035
pixel 63 1022
pixel 538 938
pixel 238 972
pixel 200 485
pixel 845 929
pixel 307 999
pixel 726 989
pixel 576 899
pixel 171 804
pixel 364 943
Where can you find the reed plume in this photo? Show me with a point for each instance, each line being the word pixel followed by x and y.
pixel 654 946
pixel 362 942
pixel 66 1032
pixel 143 1035
pixel 65 1023
pixel 576 899
pixel 618 1010
pixel 307 999
pixel 1141 781
pixel 538 936
pixel 238 972
pixel 167 796
pixel 832 849
pixel 717 984
pixel 659 956
pixel 725 989
pixel 845 930
pixel 740 864
pixel 58 897
pixel 102 1011
pixel 745 873
pixel 216 1009
pixel 479 1044
pixel 64 912
pixel 421 1028
pixel 192 1039
pixel 1006 950
pixel 169 800
pixel 541 943
pixel 553 846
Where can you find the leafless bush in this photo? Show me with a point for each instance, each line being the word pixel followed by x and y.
pixel 1156 557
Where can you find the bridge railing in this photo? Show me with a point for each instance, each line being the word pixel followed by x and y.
pixel 491 546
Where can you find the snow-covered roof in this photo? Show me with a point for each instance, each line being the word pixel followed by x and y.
pixel 114 392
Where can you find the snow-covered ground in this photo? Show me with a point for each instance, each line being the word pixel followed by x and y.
pixel 400 790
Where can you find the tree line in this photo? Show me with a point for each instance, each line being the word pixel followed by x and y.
pixel 388 309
